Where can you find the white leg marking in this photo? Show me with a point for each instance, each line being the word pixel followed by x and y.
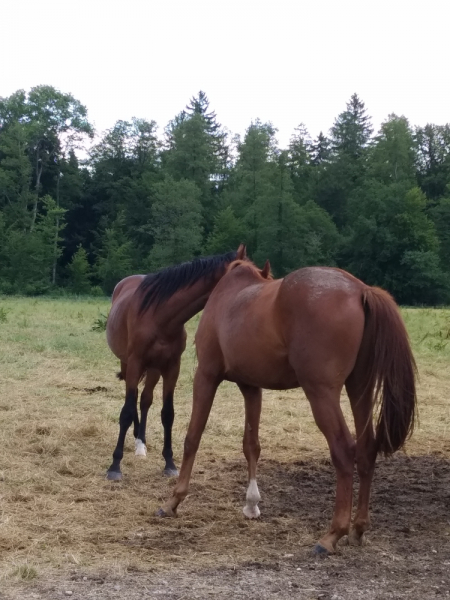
pixel 251 510
pixel 140 449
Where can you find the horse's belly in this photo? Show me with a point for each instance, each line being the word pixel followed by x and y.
pixel 269 372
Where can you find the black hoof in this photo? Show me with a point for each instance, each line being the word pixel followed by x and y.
pixel 171 472
pixel 161 513
pixel 113 475
pixel 320 551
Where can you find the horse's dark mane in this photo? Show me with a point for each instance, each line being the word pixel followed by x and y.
pixel 162 285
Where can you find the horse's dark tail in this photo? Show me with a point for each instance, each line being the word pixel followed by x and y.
pixel 121 376
pixel 392 370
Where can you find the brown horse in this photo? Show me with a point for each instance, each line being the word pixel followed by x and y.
pixel 145 330
pixel 320 329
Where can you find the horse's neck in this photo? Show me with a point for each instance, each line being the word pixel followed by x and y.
pixel 187 302
pixel 243 278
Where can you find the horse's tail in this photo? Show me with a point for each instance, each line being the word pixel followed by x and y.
pixel 392 370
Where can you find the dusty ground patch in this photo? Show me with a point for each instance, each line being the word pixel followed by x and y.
pixel 63 527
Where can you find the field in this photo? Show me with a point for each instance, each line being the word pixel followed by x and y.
pixel 66 531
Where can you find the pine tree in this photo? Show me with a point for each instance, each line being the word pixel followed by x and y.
pixel 320 150
pixel 349 143
pixel 114 259
pixel 196 150
pixel 79 272
pixel 300 164
pixel 352 130
pixel 227 233
pixel 176 223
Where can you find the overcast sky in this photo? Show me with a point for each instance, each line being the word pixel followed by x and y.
pixel 282 61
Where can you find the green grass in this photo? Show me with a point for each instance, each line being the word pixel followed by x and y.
pixel 429 330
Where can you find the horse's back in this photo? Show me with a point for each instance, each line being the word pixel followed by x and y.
pixel 319 290
pixel 277 334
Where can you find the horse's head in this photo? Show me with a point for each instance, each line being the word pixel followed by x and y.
pixel 250 268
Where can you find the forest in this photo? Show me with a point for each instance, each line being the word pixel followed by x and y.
pixel 77 215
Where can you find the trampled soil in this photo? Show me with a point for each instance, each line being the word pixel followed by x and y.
pixel 406 554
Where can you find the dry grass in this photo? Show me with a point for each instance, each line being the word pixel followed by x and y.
pixel 59 407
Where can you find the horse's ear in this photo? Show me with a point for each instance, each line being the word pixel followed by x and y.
pixel 266 270
pixel 241 253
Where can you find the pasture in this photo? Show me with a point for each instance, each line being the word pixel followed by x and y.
pixel 65 528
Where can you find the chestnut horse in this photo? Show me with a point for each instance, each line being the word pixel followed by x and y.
pixel 145 330
pixel 319 329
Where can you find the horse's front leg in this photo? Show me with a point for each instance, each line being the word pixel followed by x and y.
pixel 205 388
pixel 170 378
pixel 253 397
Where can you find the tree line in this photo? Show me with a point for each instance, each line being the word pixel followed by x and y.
pixel 375 204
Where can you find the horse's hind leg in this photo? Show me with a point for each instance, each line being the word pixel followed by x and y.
pixel 252 449
pixel 170 378
pixel 128 414
pixel 366 454
pixel 330 420
pixel 205 388
pixel 151 379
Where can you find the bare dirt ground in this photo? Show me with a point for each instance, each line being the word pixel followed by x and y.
pixel 407 555
pixel 67 532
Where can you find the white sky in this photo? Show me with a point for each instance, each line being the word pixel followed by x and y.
pixel 282 61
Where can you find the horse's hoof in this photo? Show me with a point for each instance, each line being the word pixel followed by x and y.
pixel 113 475
pixel 165 514
pixel 251 512
pixel 170 472
pixel 140 449
pixel 355 539
pixel 321 551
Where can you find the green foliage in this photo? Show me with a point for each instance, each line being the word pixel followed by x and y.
pixel 422 278
pixel 394 244
pixel 79 272
pixel 440 215
pixel 3 314
pixel 375 205
pixel 196 150
pixel 433 159
pixel 115 257
pixel 96 291
pixel 393 156
pixel 351 130
pixel 100 323
pixel 26 258
pixel 176 222
pixel 228 232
